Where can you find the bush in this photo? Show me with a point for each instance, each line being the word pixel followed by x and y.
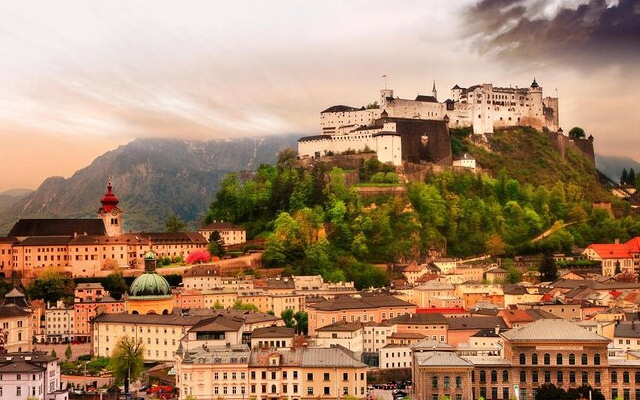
pixel 177 260
pixel 166 261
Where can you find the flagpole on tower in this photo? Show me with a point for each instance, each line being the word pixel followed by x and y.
pixel 385 81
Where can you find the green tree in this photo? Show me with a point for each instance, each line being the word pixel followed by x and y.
pixel 51 286
pixel 631 179
pixel 127 361
pixel 624 177
pixel 548 270
pixel 302 322
pixel 115 284
pixel 53 353
pixel 576 132
pixel 174 224
pixel 239 305
pixel 287 317
pixel 217 305
pixel 68 352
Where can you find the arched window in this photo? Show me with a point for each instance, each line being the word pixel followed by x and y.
pixel 637 376
pixel 523 376
pixel 273 388
pixel 523 359
pixel 584 359
pixel 559 359
pixel 614 377
pixel 572 359
pixel 559 377
pixel 494 375
pixel 596 359
pixel 434 382
pixel 534 359
pixel 473 376
pixel 483 376
pixel 505 376
pixel 625 377
pixel 534 376
pixel 547 359
pixel 447 382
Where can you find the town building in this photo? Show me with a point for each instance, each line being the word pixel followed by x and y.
pixel 15 328
pixel 433 326
pixel 236 373
pixel 272 337
pixel 348 335
pixel 59 323
pixel 91 299
pixel 365 308
pixel 229 233
pixel 202 277
pixel 616 257
pixel 466 160
pixel 30 375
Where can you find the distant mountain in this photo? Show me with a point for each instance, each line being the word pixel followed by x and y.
pixel 12 196
pixel 153 178
pixel 612 166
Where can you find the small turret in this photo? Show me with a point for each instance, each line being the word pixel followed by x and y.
pixel 434 92
pixel 534 84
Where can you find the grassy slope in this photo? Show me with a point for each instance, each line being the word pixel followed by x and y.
pixel 529 156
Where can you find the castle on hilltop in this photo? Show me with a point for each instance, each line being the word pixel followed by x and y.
pixel 416 130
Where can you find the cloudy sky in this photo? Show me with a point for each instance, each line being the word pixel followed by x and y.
pixel 78 78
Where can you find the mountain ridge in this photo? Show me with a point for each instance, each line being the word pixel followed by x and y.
pixel 148 176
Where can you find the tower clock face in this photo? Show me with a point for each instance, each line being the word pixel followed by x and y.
pixel 114 212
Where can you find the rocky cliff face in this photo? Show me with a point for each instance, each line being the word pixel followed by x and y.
pixel 153 178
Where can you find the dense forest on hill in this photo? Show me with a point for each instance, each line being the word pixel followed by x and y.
pixel 316 224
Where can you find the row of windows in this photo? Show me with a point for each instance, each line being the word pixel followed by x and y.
pixel 584 359
pixel 435 382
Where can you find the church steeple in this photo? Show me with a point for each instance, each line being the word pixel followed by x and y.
pixel 110 214
pixel 434 92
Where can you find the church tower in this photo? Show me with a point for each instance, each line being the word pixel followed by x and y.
pixel 110 214
pixel 434 92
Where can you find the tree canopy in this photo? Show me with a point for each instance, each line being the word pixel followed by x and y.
pixel 127 361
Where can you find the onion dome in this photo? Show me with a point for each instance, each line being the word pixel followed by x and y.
pixel 534 84
pixel 150 284
pixel 109 200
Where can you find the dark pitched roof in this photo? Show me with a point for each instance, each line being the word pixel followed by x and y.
pixel 151 319
pixel 420 319
pixel 219 323
pixel 12 311
pixel 627 329
pixel 273 332
pixel 466 323
pixel 427 99
pixel 46 241
pixel 340 108
pixel 369 301
pixel 341 326
pixel 20 366
pixel 223 226
pixel 57 227
pixel 203 270
pixel 314 137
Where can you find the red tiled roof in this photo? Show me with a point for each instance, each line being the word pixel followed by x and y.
pixel 617 250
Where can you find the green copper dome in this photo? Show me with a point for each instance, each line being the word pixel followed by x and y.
pixel 150 255
pixel 150 284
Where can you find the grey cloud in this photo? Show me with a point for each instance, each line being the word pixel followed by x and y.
pixel 593 33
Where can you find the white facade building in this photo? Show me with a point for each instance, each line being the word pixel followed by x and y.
pixel 59 323
pixel 465 161
pixel 30 375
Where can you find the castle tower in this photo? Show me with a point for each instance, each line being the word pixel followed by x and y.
pixel 385 95
pixel 434 92
pixel 535 92
pixel 110 214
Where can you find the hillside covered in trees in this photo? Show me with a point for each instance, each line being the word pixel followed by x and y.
pixel 316 224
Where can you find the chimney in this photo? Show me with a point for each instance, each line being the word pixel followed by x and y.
pixel 497 330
